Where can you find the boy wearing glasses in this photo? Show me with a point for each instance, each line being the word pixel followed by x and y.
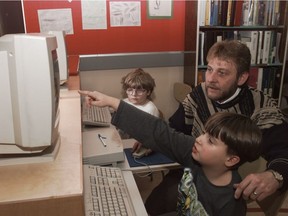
pixel 138 86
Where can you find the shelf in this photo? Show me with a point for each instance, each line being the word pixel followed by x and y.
pixel 252 65
pixel 242 28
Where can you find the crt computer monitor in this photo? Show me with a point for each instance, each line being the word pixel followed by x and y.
pixel 62 55
pixel 29 95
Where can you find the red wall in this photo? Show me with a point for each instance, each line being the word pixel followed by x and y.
pixel 154 35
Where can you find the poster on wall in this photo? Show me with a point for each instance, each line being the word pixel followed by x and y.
pixel 125 13
pixel 160 8
pixel 94 14
pixel 56 20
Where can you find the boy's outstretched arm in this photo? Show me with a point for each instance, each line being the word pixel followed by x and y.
pixel 151 131
pixel 99 99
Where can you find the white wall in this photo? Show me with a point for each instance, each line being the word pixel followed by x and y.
pixel 108 82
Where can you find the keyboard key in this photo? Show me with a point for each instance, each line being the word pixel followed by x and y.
pixel 96 116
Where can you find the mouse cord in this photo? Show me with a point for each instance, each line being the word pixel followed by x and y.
pixel 150 172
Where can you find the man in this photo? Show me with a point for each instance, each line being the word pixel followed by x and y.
pixel 225 90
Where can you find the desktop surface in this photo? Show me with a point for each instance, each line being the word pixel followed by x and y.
pixel 49 188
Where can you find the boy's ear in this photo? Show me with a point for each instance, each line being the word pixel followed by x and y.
pixel 232 160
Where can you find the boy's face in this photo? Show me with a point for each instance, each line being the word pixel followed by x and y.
pixel 221 79
pixel 209 151
pixel 137 96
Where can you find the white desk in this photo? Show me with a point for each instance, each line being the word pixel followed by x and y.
pixel 55 188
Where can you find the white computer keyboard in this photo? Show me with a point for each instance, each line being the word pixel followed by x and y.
pixel 96 116
pixel 105 192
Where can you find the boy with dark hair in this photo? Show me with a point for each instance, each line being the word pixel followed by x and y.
pixel 229 140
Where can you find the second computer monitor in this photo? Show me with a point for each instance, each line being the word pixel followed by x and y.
pixel 62 55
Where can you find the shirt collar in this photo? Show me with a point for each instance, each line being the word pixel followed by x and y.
pixel 232 97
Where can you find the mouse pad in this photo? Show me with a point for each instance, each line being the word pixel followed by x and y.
pixel 153 159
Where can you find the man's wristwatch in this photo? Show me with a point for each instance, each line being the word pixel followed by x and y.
pixel 278 177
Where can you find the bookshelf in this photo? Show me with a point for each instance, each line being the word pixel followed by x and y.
pixel 262 25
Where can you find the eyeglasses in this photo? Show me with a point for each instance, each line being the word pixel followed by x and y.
pixel 139 92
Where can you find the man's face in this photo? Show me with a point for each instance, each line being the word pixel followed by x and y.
pixel 221 79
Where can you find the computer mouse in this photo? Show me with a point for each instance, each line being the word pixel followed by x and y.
pixel 141 153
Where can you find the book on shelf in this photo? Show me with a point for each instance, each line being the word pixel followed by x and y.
pixel 260 47
pixel 273 12
pixel 263 45
pixel 277 81
pixel 278 40
pixel 209 40
pixel 262 79
pixel 214 12
pixel 255 12
pixel 259 78
pixel 272 73
pixel 266 46
pixel 201 48
pixel 247 12
pixel 268 80
pixel 265 80
pixel 272 50
pixel 239 12
pixel 261 12
pixel 276 19
pixel 207 12
pixel 251 40
pixel 224 8
pixel 266 11
pixel 254 46
pixel 253 77
pixel 231 12
pixel 201 12
pixel 270 11
pixel 219 12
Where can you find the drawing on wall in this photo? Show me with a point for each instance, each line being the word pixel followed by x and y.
pixel 125 13
pixel 160 8
pixel 94 14
pixel 56 20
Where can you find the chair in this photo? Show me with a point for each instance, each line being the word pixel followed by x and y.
pixel 270 205
pixel 181 90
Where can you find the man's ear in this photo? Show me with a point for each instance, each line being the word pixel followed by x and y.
pixel 232 160
pixel 243 78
